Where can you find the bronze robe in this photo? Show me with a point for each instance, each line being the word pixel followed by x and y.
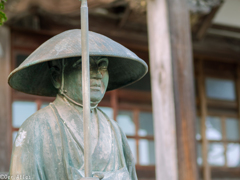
pixel 49 146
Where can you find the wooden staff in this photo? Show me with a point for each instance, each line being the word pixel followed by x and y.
pixel 86 90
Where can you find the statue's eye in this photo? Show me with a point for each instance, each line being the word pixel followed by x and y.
pixel 103 65
pixel 78 64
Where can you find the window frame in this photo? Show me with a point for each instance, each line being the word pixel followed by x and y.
pixel 203 103
pixel 122 99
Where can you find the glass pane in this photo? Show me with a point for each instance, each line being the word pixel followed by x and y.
pixel 213 128
pixel 132 144
pixel 233 155
pixel 21 110
pixel 145 123
pixel 45 104
pixel 198 128
pixel 199 154
pixel 14 135
pixel 125 121
pixel 146 152
pixel 216 154
pixel 220 89
pixel 108 111
pixel 232 128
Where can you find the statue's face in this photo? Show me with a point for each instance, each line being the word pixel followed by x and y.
pixel 98 80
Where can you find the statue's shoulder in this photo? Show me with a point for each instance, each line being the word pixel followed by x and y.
pixel 41 116
pixel 36 127
pixel 112 121
pixel 38 120
pixel 114 124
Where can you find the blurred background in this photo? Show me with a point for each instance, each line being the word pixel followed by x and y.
pixel 213 28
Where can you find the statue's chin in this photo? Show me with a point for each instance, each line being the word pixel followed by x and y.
pixel 95 98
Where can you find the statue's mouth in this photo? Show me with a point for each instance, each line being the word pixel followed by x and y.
pixel 95 87
pixel 95 83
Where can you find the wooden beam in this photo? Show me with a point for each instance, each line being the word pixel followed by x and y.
pixel 207 23
pixel 162 90
pixel 125 16
pixel 184 97
pixel 225 28
pixel 145 172
pixel 132 36
pixel 223 173
pixel 5 110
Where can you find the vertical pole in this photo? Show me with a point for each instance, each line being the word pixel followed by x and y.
pixel 224 138
pixel 162 90
pixel 172 89
pixel 86 89
pixel 183 86
pixel 5 100
pixel 203 109
pixel 238 91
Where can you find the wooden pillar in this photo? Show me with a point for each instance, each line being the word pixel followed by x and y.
pixel 172 89
pixel 4 99
pixel 162 90
pixel 183 78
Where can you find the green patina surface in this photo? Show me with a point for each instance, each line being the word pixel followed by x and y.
pixel 49 144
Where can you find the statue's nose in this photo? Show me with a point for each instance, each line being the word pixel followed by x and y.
pixel 95 74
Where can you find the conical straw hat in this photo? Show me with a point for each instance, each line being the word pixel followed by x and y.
pixel 33 75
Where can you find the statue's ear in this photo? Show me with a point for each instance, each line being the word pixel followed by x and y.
pixel 55 70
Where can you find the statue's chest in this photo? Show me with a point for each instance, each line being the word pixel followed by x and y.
pixel 105 146
pixel 105 141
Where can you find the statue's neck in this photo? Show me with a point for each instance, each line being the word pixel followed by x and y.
pixel 71 102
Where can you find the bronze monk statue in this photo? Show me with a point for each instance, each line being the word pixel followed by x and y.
pixel 49 144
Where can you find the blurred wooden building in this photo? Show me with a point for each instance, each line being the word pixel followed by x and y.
pixel 182 118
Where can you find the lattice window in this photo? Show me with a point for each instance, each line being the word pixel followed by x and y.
pixel 217 124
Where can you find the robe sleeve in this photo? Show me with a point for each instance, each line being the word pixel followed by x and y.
pixel 128 156
pixel 25 162
pixel 37 149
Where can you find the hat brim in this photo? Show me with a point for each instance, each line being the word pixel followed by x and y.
pixel 33 75
pixel 36 79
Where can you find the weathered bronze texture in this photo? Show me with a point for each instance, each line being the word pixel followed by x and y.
pixel 50 144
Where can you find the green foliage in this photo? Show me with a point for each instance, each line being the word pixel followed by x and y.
pixel 1 6
pixel 3 16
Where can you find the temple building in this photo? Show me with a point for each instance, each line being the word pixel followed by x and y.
pixel 182 118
